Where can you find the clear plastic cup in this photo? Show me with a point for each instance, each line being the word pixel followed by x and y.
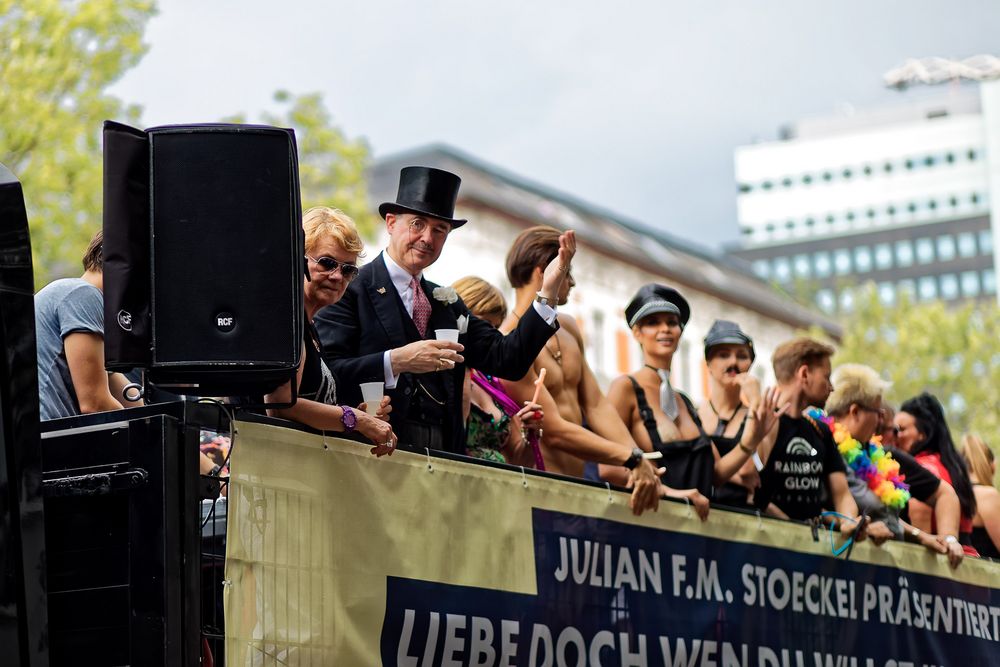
pixel 372 393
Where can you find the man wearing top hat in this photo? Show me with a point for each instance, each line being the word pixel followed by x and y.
pixel 383 327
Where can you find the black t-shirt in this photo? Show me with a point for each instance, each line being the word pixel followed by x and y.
pixel 922 482
pixel 795 476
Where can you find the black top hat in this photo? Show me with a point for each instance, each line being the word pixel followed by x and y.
pixel 426 191
pixel 653 298
pixel 724 332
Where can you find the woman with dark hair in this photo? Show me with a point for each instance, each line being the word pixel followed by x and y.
pixel 923 433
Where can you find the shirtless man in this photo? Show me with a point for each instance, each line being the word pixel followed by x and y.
pixel 566 445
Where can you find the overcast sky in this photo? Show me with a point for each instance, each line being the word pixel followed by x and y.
pixel 634 106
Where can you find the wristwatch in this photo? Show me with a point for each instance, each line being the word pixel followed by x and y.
pixel 632 461
pixel 544 300
pixel 348 419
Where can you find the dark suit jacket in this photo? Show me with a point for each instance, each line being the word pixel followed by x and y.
pixel 370 319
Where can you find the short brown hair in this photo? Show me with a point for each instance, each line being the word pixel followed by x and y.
pixel 323 220
pixel 93 259
pixel 794 354
pixel 536 246
pixel 483 299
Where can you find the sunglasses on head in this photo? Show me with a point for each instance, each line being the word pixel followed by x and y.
pixel 329 265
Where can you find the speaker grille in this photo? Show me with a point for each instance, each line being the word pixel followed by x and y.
pixel 226 244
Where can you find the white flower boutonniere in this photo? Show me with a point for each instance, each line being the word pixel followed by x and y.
pixel 463 324
pixel 446 295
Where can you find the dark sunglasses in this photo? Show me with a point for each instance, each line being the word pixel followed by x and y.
pixel 329 265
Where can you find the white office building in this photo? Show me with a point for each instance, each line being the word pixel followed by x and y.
pixel 900 197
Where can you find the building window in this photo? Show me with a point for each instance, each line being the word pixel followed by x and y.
pixel 970 284
pixel 762 268
pixel 802 267
pixel 887 293
pixel 887 167
pixel 842 261
pixel 790 224
pixel 850 216
pixel 782 271
pixel 807 179
pixel 597 340
pixel 827 176
pixel 821 263
pixel 949 158
pixel 932 204
pixel 928 288
pixel 974 198
pixel 949 286
pixel 967 244
pixel 826 300
pixel 908 164
pixel 925 251
pixel 769 227
pixel 883 256
pixel 862 259
pixel 745 187
pixel 989 282
pixel 929 161
pixel 971 154
pixel 911 207
pixel 787 182
pixel 767 185
pixel 946 247
pixel 907 287
pixel 846 301
pixel 891 210
pixel 953 200
pixel 904 253
pixel 986 242
pixel 867 170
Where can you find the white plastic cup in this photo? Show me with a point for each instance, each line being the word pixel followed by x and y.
pixel 450 335
pixel 372 393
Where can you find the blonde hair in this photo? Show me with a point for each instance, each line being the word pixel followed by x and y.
pixel 854 383
pixel 792 355
pixel 483 299
pixel 322 221
pixel 979 457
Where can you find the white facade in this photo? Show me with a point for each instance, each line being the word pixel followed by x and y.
pixel 924 170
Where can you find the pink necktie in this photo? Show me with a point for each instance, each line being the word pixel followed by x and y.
pixel 421 307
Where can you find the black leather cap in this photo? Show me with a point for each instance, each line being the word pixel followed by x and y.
pixel 426 191
pixel 724 332
pixel 653 298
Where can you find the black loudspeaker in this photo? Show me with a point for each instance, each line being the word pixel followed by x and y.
pixel 203 254
pixel 23 609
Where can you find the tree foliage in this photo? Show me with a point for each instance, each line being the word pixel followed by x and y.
pixel 952 352
pixel 59 58
pixel 332 167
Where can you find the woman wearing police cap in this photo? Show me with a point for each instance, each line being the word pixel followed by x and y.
pixel 724 414
pixel 668 422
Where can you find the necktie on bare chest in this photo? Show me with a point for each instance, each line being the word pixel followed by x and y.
pixel 668 401
pixel 421 307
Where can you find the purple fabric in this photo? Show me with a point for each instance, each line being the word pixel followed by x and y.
pixel 510 407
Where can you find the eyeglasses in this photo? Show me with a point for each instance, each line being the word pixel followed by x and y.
pixel 879 411
pixel 329 265
pixel 418 226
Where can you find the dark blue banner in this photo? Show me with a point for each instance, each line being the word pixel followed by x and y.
pixel 615 594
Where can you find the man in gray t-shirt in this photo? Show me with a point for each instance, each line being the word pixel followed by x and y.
pixel 69 325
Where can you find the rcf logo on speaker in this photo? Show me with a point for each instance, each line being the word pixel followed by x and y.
pixel 225 322
pixel 125 320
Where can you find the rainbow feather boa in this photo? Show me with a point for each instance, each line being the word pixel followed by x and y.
pixel 871 463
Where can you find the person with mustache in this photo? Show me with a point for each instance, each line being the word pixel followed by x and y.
pixel 729 354
pixel 383 328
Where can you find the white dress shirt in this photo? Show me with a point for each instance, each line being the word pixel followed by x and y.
pixel 403 282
